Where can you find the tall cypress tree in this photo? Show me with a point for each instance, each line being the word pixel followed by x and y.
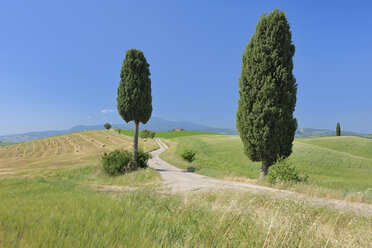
pixel 338 129
pixel 134 99
pixel 268 92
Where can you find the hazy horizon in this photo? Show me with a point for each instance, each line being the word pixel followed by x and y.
pixel 141 127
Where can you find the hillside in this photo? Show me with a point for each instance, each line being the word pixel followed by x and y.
pixel 166 135
pixel 155 124
pixel 160 125
pixel 63 151
pixel 311 132
pixel 7 143
pixel 58 195
pixel 348 144
pixel 341 164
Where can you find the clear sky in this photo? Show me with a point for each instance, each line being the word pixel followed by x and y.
pixel 60 60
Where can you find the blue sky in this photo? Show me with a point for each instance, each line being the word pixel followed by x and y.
pixel 60 60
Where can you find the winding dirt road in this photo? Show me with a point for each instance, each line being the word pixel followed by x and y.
pixel 176 180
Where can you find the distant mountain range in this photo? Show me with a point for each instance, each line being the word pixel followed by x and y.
pixel 158 125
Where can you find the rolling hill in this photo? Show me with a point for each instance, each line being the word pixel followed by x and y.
pixel 311 132
pixel 63 151
pixel 159 125
pixel 155 124
pixel 337 163
pixel 54 193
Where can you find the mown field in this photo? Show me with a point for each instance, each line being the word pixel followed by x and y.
pixel 339 167
pixel 63 151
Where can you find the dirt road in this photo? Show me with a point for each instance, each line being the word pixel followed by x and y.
pixel 176 180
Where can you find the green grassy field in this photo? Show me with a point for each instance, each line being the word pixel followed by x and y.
pixel 369 136
pixel 72 207
pixel 6 143
pixel 166 135
pixel 341 164
pixel 348 144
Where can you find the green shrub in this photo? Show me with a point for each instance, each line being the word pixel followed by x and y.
pixel 117 162
pixel 191 169
pixel 284 171
pixel 142 158
pixel 188 155
pixel 147 134
pixel 107 126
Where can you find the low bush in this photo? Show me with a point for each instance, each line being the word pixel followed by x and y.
pixel 121 161
pixel 191 169
pixel 188 155
pixel 117 162
pixel 142 158
pixel 284 171
pixel 147 134
pixel 107 126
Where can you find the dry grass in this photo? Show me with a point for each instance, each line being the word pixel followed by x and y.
pixel 63 151
pixel 308 189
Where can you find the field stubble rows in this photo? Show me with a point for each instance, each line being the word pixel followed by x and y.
pixel 63 151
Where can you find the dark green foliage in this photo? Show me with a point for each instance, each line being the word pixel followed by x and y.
pixel 188 155
pixel 120 161
pixel 147 134
pixel 134 99
pixel 284 171
pixel 117 162
pixel 268 92
pixel 338 129
pixel 107 126
pixel 142 158
pixel 191 169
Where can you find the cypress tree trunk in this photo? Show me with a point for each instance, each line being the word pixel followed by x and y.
pixel 264 168
pixel 135 143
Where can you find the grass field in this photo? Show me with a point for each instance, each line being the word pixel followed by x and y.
pixel 166 135
pixel 66 200
pixel 65 150
pixel 368 136
pixel 6 144
pixel 341 164
pixel 348 144
pixel 72 207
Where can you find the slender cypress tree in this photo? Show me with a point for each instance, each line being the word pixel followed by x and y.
pixel 268 92
pixel 338 129
pixel 134 99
